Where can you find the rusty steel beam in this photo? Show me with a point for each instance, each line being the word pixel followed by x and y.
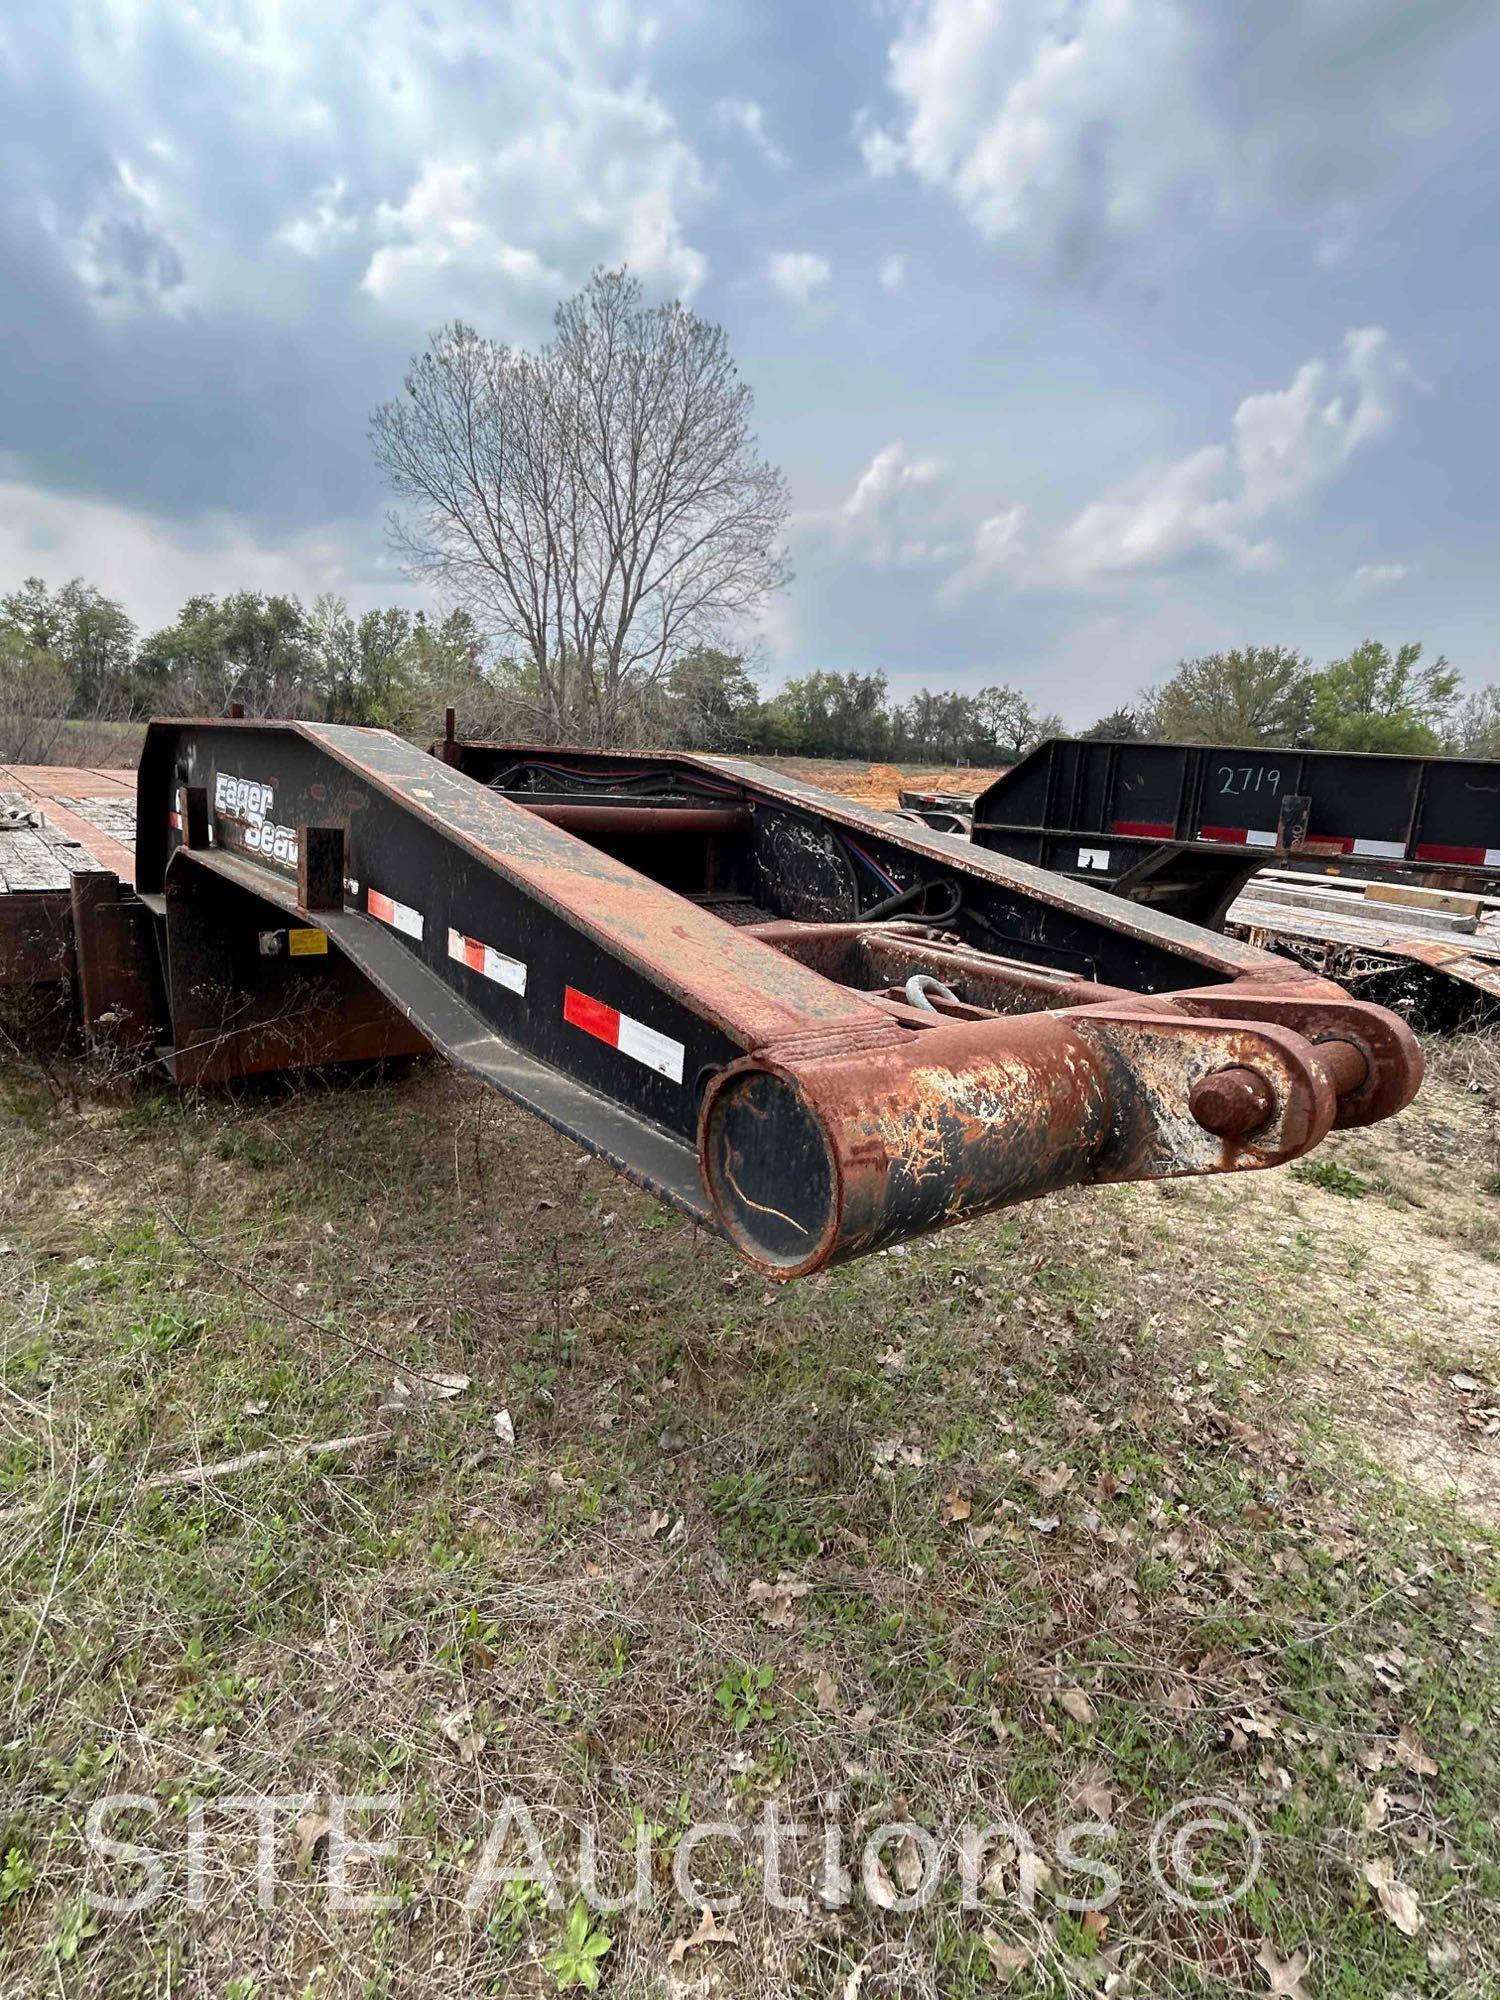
pixel 627 820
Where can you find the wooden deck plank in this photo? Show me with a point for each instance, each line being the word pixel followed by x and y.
pixel 94 809
pixel 30 861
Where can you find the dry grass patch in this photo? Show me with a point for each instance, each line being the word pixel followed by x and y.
pixel 1045 1520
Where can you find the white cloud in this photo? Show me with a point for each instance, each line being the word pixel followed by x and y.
pixel 153 564
pixel 1213 505
pixel 893 272
pixel 1286 443
pixel 443 246
pixel 797 274
pixel 465 147
pixel 1069 127
pixel 532 215
pixel 897 514
pixel 745 115
pixel 1377 576
pixel 322 223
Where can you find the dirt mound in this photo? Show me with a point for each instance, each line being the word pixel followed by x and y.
pixel 882 784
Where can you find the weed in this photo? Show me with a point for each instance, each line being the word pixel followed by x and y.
pixel 575 1961
pixel 1332 1177
pixel 74 1930
pixel 17 1875
pixel 742 1696
pixel 517 1906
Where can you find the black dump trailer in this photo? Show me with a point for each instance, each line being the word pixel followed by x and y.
pixel 1183 827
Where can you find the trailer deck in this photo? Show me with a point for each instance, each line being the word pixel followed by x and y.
pixel 57 823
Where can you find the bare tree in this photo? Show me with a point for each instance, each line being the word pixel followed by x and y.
pixel 599 506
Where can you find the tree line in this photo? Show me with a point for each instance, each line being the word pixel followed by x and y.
pixel 72 653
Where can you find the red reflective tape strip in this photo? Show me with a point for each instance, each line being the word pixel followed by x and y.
pixel 1437 850
pixel 400 916
pixel 490 964
pixel 582 1011
pixel 1237 834
pixel 647 1046
pixel 174 820
pixel 1146 829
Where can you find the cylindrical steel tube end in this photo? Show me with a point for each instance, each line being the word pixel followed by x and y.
pixel 771 1172
pixel 812 1157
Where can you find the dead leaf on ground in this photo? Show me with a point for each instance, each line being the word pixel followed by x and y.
pixel 408 1393
pixel 955 1507
pixel 850 1989
pixel 312 1829
pixel 708 1932
pixel 504 1427
pixel 908 1864
pixel 774 1601
pixel 1077 1704
pixel 1377 1809
pixel 826 1691
pixel 1006 1959
pixel 466 1741
pixel 1283 1979
pixel 890 1452
pixel 1050 1483
pixel 1397 1901
pixel 1090 1793
pixel 1407 1749
pixel 879 1887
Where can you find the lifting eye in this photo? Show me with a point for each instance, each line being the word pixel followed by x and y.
pixel 921 986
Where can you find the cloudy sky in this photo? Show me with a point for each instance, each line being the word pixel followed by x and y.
pixel 1090 333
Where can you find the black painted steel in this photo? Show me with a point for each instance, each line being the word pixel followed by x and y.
pixel 1183 827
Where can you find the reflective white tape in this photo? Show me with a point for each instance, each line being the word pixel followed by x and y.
pixel 658 1052
pixel 485 960
pixel 1383 850
pixel 400 916
pixel 632 1038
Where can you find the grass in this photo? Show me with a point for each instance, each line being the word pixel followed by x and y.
pixel 1061 1517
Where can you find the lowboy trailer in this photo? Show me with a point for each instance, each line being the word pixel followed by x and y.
pixel 1185 826
pixel 817 1028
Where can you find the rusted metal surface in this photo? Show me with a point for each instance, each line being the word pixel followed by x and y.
pixel 633 822
pixel 916 1033
pixel 50 840
pixel 1442 980
pixel 36 939
pixel 1232 1102
pixel 114 952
